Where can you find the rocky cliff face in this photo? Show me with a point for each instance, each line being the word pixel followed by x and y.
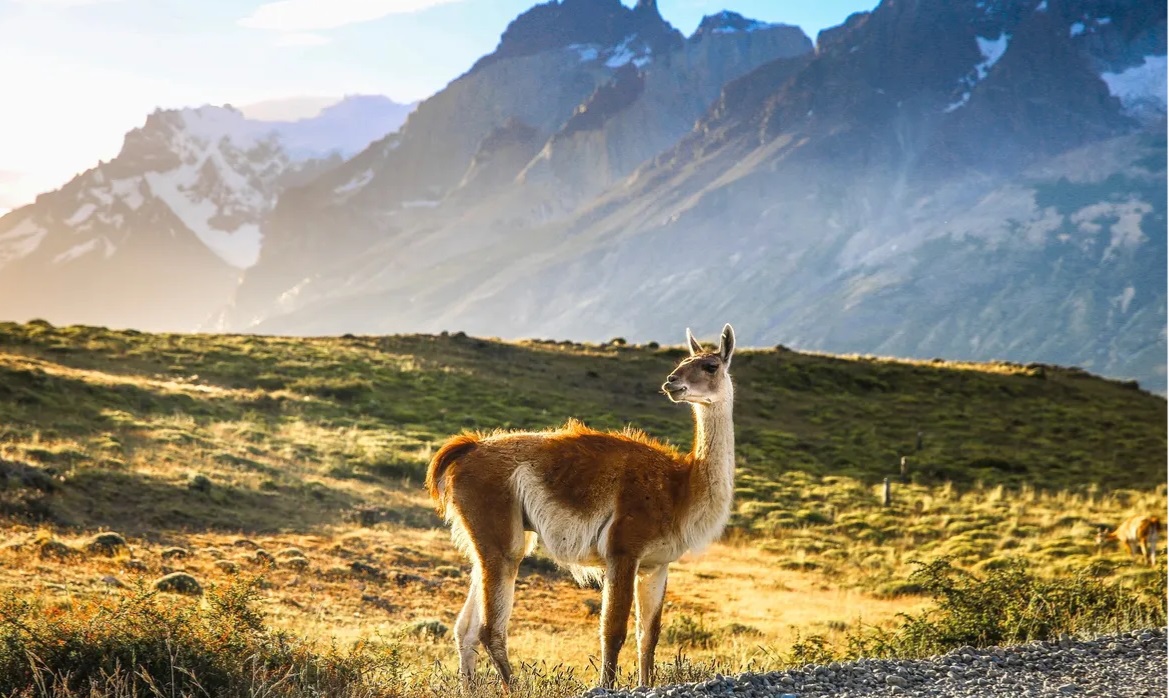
pixel 967 179
pixel 577 95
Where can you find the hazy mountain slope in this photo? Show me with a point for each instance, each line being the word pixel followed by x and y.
pixel 345 128
pixel 996 200
pixel 529 135
pixel 155 238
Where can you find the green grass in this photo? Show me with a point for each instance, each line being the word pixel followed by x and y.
pixel 89 404
pixel 160 437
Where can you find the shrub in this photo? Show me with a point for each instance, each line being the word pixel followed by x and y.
pixel 1011 605
pixel 53 548
pixel 813 649
pixel 294 563
pixel 429 629
pixel 174 553
pixel 686 632
pixel 199 482
pixel 153 645
pixel 108 543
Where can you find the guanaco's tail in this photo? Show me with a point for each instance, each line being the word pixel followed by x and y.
pixel 455 447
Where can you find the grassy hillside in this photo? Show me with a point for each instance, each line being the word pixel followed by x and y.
pixel 301 460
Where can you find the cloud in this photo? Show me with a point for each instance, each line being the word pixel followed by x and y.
pixel 63 3
pixel 299 16
pixel 302 39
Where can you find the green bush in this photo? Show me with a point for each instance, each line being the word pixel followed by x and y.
pixel 686 632
pixel 1011 605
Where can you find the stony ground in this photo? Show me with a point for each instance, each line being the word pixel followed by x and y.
pixel 1128 665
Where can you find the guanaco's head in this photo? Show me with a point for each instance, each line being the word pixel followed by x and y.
pixel 703 376
pixel 1104 537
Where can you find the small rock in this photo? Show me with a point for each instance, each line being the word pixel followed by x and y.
pixel 894 680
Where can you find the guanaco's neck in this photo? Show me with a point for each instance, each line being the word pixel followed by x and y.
pixel 714 447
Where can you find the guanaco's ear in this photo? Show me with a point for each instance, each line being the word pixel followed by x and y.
pixel 695 347
pixel 726 343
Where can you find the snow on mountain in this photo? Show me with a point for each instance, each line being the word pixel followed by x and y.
pixel 20 240
pixel 1141 88
pixel 632 49
pixel 992 50
pixel 158 236
pixel 216 171
pixel 727 22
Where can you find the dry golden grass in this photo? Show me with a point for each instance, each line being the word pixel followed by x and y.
pixel 420 577
pixel 312 449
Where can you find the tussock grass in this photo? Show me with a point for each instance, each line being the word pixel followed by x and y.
pixel 299 460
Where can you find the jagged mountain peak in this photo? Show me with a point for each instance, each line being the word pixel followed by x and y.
pixel 726 22
pixel 563 23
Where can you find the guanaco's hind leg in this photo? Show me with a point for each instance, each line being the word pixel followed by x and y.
pixel 651 592
pixel 468 626
pixel 498 597
pixel 616 602
pixel 497 542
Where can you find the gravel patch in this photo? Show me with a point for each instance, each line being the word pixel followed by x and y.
pixel 1132 665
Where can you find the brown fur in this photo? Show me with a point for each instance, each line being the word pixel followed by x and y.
pixel 621 502
pixel 454 448
pixel 1138 533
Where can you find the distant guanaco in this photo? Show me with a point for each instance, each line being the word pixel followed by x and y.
pixel 1139 534
pixel 618 506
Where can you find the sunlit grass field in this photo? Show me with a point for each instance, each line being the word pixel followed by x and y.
pixel 285 473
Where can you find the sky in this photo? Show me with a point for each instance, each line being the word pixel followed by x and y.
pixel 76 75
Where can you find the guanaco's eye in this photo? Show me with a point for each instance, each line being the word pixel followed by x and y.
pixel 710 368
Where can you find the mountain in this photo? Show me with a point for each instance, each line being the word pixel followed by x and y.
pixel 155 238
pixel 576 95
pixel 158 237
pixel 977 179
pixel 970 179
pixel 345 127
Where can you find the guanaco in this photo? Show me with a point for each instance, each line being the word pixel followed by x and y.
pixel 1139 534
pixel 617 506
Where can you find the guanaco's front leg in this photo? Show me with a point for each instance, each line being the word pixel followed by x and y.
pixel 651 594
pixel 616 602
